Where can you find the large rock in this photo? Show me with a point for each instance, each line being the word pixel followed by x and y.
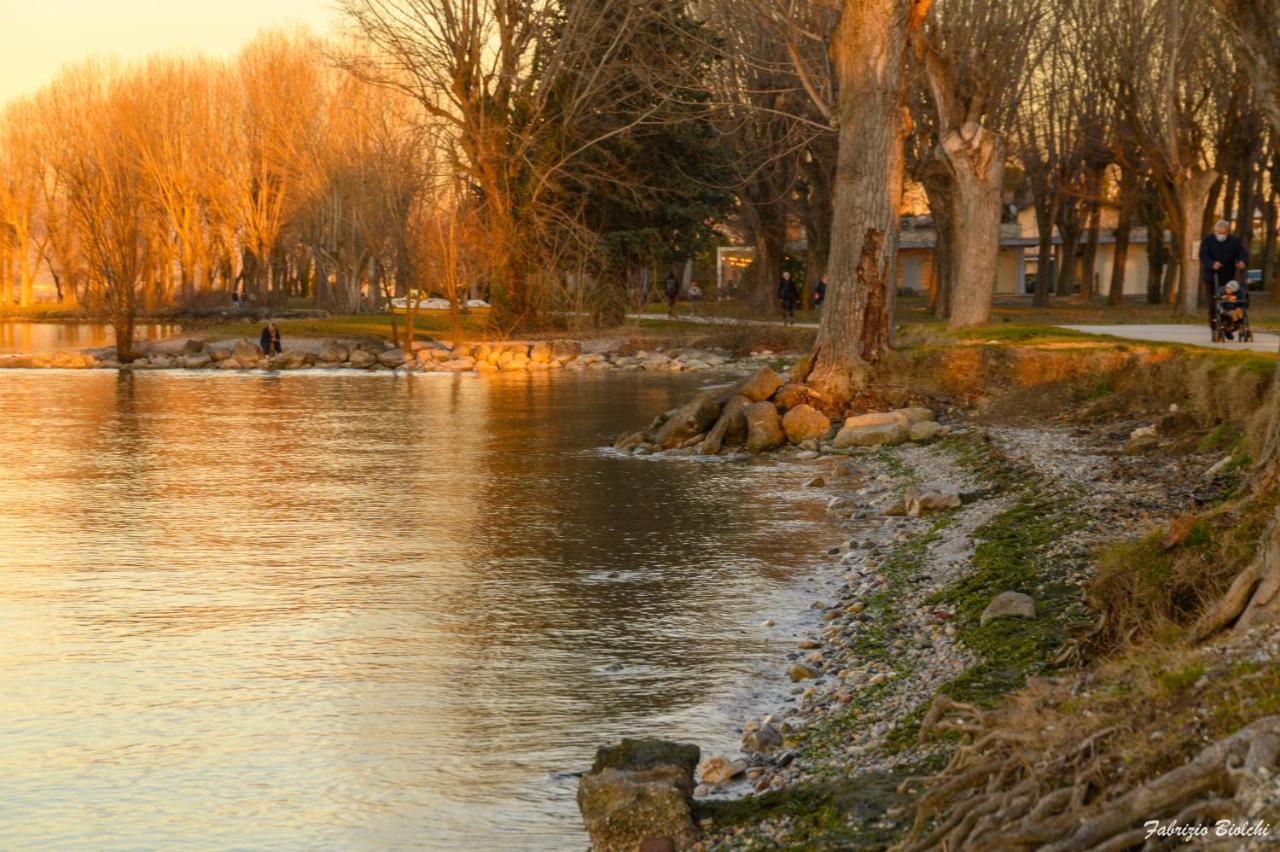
pixel 692 418
pixel 246 351
pixel 540 352
pixel 873 430
pixel 565 350
pixel 730 430
pixel 333 352
pixel 761 386
pixel 363 358
pixel 804 422
pixel 719 769
pixel 922 501
pixel 1008 605
pixel 790 395
pixel 926 430
pixel 764 427
pixel 196 360
pixel 393 358
pixel 638 795
pixel 761 739
pixel 290 359
pixel 192 346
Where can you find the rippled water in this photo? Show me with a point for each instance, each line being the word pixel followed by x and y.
pixel 333 611
pixel 40 337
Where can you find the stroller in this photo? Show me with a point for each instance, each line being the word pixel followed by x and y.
pixel 1231 317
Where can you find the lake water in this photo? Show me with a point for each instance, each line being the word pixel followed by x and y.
pixel 356 611
pixel 31 338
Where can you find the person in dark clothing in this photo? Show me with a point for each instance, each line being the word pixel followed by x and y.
pixel 270 340
pixel 820 291
pixel 789 295
pixel 1222 258
pixel 672 290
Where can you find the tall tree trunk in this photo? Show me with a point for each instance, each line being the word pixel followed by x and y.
pixel 771 244
pixel 1124 229
pixel 868 51
pixel 1069 228
pixel 1046 208
pixel 977 165
pixel 938 189
pixel 1088 265
pixel 1191 191
pixel 1270 281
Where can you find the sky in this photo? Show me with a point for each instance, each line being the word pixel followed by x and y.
pixel 37 37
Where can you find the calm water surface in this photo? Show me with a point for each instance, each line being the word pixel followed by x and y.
pixel 355 611
pixel 20 337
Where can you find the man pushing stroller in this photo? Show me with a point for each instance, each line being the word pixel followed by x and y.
pixel 1223 257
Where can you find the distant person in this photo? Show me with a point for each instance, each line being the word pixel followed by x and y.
pixel 789 296
pixel 270 340
pixel 672 290
pixel 1222 256
pixel 820 292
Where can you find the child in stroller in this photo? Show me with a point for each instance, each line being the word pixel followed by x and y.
pixel 1232 314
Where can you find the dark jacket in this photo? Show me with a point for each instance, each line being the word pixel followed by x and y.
pixel 819 292
pixel 269 342
pixel 788 291
pixel 1229 252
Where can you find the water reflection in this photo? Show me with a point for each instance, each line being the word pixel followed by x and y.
pixel 20 337
pixel 335 610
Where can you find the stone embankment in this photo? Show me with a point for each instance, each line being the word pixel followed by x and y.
pixel 375 356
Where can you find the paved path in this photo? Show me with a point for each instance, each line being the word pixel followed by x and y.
pixel 701 320
pixel 1194 335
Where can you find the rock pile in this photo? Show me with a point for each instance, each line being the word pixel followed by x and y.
pixel 764 412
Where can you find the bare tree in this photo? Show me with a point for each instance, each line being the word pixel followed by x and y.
pixel 975 57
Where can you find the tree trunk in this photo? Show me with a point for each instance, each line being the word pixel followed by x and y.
pixel 977 165
pixel 1191 192
pixel 1088 286
pixel 867 57
pixel 1269 278
pixel 771 243
pixel 1069 228
pixel 937 183
pixel 1045 210
pixel 1124 229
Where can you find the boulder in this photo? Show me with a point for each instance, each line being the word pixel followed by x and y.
pixel 1008 605
pixel 638 795
pixel 922 501
pixel 333 352
pixel 804 422
pixel 192 346
pixel 873 430
pixel 790 395
pixel 246 351
pixel 466 364
pixel 362 359
pixel 229 364
pixel 719 769
pixel 730 430
pixel 219 353
pixel 926 430
pixel 761 740
pixel 761 386
pixel 1141 440
pixel 764 427
pixel 914 415
pixel 692 418
pixel 162 362
pixel 540 352
pixel 196 360
pixel 393 358
pixel 565 350
pixel 290 359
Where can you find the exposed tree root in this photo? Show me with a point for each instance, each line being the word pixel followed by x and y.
pixel 1004 790
pixel 1254 596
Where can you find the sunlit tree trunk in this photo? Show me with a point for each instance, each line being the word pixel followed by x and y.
pixel 977 164
pixel 867 54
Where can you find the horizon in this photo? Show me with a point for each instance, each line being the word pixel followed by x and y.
pixel 44 39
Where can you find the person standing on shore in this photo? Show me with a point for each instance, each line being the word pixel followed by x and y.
pixel 789 295
pixel 1222 255
pixel 270 340
pixel 672 290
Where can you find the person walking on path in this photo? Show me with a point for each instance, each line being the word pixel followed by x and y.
pixel 1222 258
pixel 270 340
pixel 789 296
pixel 672 290
pixel 820 292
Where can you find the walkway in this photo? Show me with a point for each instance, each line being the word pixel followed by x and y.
pixel 1193 335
